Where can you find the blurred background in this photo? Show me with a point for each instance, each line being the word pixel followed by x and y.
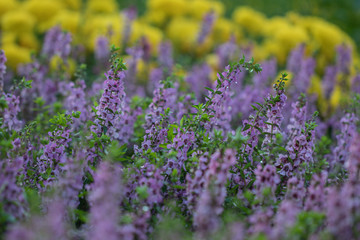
pixel 343 13
pixel 269 29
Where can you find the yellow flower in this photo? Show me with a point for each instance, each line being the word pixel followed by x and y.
pixel 72 4
pixel 326 35
pixel 16 55
pixel 101 6
pixel 252 21
pixel 152 34
pixel 43 10
pixel 224 29
pixel 98 25
pixel 198 8
pixel 183 32
pixel 17 21
pixel 336 97
pixel 28 40
pixel 213 61
pixel 156 17
pixel 169 7
pixel 7 5
pixel 68 20
pixel 57 64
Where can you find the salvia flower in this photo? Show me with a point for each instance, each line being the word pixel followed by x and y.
pixel 51 225
pixel 10 113
pixel 2 69
pixel 265 178
pixel 206 27
pixel 210 204
pixel 57 43
pixel 105 198
pixel 166 57
pixel 11 194
pixel 315 197
pixel 348 129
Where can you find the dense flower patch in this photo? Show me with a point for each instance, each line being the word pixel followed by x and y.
pixel 167 152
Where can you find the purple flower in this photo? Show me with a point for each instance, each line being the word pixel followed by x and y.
pixel 165 57
pixel 209 205
pixel 11 194
pixel 329 80
pixel 315 197
pixel 355 84
pixel 102 52
pixel 10 113
pixel 129 17
pixel 51 225
pixel 206 27
pixel 2 69
pixel 57 43
pixel 343 58
pixel 105 198
pixel 266 177
pixel 352 163
pixel 348 129
pixel 76 101
pixel 285 218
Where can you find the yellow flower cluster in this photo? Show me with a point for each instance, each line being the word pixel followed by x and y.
pixel 178 20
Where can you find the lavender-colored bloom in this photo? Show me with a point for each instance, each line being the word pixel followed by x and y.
pixel 343 58
pixel 2 69
pixel 111 102
pixel 71 181
pixel 348 129
pixel 295 57
pixel 352 163
pixel 296 190
pixel 155 133
pixel 227 52
pixel 260 222
pixel 206 27
pixel 105 198
pixel 266 177
pixel 355 84
pixel 267 74
pixel 136 54
pixel 329 80
pixel 209 206
pixel 52 225
pixel 220 105
pixel 151 177
pixel 198 79
pixel 57 43
pixel 165 57
pixel 54 156
pixel 252 133
pixel 284 219
pixel 196 184
pixel 76 101
pixel 10 113
pixel 298 118
pixel 11 194
pixel 102 52
pixel 338 213
pixel 303 77
pixel 274 117
pixel 315 198
pixel 302 68
pixel 155 77
pixel 129 17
